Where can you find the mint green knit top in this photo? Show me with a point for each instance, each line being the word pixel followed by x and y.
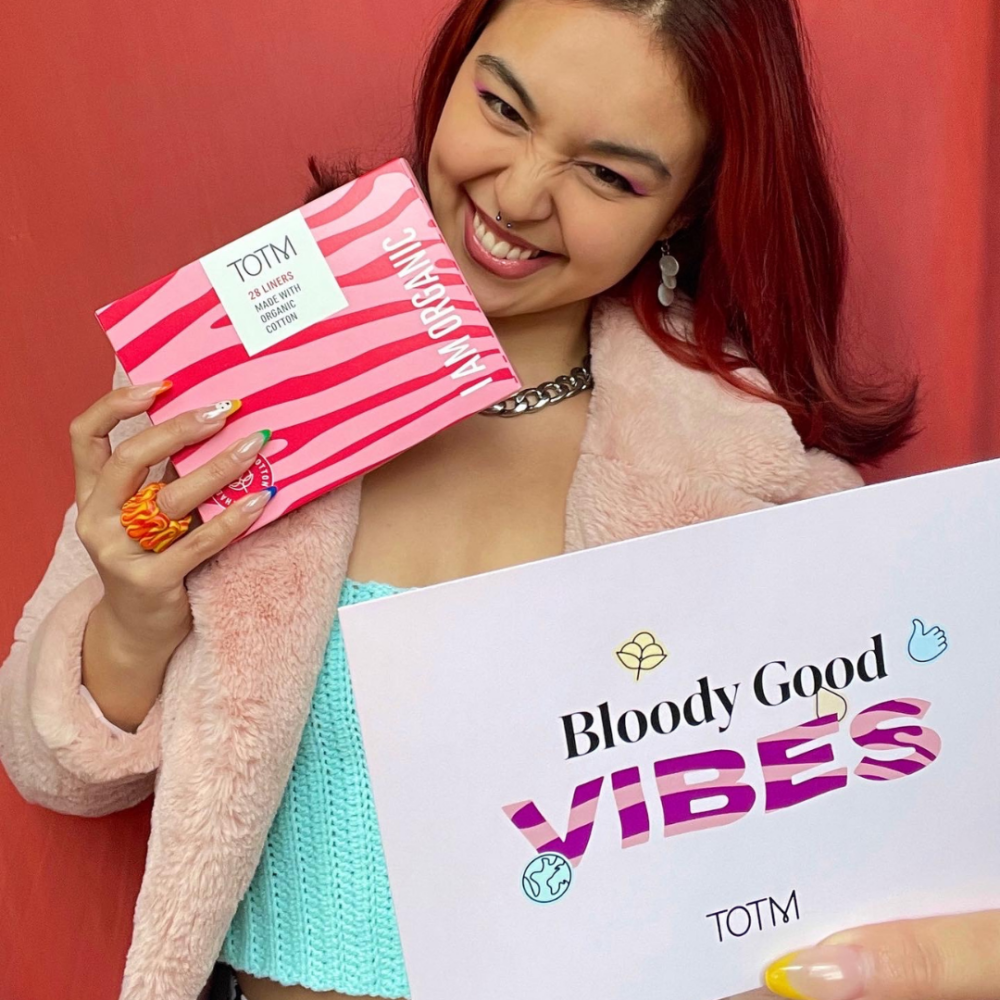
pixel 318 912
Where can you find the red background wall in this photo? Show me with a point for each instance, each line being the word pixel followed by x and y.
pixel 134 138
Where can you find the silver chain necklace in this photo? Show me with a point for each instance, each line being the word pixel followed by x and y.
pixel 531 400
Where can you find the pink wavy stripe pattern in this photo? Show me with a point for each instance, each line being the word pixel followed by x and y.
pixel 117 311
pixel 527 817
pixel 347 407
pixel 350 409
pixel 678 798
pixel 362 424
pixel 419 363
pixel 924 743
pixel 345 394
pixel 341 201
pixel 340 337
pixel 331 244
pixel 778 769
pixel 367 456
pixel 183 287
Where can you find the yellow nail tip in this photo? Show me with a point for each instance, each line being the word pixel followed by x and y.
pixel 776 978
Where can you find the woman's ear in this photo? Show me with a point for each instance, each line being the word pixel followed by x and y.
pixel 676 224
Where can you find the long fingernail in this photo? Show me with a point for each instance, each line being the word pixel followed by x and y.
pixel 829 972
pixel 150 389
pixel 259 499
pixel 253 444
pixel 226 408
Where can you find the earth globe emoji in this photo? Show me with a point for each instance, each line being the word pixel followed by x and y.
pixel 547 878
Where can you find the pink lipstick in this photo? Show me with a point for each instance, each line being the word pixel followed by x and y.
pixel 497 267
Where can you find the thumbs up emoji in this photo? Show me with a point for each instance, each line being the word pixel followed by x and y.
pixel 926 644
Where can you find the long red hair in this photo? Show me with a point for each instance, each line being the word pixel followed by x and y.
pixel 764 260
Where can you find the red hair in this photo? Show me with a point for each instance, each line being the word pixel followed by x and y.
pixel 764 259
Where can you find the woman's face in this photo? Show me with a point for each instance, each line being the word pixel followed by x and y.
pixel 589 80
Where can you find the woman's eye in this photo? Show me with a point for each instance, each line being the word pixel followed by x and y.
pixel 612 179
pixel 604 176
pixel 497 106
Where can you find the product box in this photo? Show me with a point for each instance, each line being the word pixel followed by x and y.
pixel 345 327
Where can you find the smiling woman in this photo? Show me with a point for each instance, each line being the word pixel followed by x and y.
pixel 561 144
pixel 604 129
pixel 550 118
pixel 641 184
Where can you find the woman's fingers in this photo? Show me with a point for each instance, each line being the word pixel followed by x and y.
pixel 193 548
pixel 88 432
pixel 183 495
pixel 938 958
pixel 125 470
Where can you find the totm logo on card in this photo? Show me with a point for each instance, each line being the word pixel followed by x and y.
pixel 258 477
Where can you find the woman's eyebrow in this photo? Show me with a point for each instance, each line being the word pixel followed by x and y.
pixel 644 156
pixel 496 65
pixel 499 68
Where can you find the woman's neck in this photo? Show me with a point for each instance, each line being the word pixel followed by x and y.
pixel 542 346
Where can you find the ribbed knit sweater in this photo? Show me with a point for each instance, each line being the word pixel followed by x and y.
pixel 318 912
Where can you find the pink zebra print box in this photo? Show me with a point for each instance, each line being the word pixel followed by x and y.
pixel 345 327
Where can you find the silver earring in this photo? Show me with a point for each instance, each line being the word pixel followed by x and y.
pixel 669 269
pixel 510 225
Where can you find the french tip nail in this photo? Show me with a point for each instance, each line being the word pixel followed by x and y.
pixel 150 390
pixel 271 489
pixel 776 978
pixel 267 435
pixel 823 972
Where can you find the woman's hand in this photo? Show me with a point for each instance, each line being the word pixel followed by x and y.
pixel 144 613
pixel 938 958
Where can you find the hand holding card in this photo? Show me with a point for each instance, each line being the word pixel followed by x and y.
pixel 935 958
pixel 791 763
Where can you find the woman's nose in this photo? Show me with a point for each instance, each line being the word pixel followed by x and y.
pixel 524 190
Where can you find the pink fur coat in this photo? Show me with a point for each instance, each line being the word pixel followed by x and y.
pixel 663 446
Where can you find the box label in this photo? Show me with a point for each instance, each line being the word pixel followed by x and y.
pixel 274 282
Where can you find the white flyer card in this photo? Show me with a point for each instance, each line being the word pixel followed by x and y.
pixel 648 769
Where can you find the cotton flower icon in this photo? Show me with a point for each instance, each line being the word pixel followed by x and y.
pixel 641 653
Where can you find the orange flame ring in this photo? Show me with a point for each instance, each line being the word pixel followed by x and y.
pixel 146 523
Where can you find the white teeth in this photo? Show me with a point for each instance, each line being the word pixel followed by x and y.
pixel 500 249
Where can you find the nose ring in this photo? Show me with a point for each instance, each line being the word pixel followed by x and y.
pixel 510 225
